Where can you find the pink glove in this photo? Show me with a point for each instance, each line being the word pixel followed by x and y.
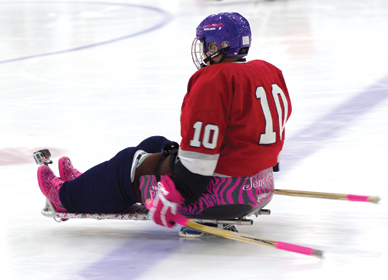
pixel 165 205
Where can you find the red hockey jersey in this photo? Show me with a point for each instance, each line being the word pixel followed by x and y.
pixel 233 119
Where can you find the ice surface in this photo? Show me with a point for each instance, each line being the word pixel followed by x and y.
pixel 88 78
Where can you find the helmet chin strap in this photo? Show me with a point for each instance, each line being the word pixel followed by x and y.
pixel 210 58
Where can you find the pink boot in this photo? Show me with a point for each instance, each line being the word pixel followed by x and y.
pixel 66 169
pixel 50 185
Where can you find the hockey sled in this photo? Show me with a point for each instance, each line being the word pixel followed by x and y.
pixel 226 201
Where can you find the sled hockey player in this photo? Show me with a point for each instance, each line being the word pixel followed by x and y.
pixel 232 127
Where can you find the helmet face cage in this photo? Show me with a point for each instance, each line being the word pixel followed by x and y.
pixel 197 52
pixel 229 31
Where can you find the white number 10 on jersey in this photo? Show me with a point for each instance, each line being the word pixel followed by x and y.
pixel 211 131
pixel 269 136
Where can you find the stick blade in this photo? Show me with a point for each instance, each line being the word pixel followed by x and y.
pixel 374 199
pixel 318 254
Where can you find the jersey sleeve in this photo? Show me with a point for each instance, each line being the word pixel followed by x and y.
pixel 203 122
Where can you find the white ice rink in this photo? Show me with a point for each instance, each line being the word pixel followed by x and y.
pixel 89 78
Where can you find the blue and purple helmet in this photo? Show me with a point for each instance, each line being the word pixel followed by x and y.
pixel 229 31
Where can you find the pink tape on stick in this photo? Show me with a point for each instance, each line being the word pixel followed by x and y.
pixel 182 220
pixel 362 198
pixel 298 249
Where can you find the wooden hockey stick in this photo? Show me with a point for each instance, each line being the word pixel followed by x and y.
pixel 252 239
pixel 186 222
pixel 180 219
pixel 350 197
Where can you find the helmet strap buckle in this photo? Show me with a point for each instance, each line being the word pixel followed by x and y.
pixel 210 58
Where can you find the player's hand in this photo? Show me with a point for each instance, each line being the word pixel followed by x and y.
pixel 166 203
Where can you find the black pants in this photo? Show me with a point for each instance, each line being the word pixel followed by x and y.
pixel 107 187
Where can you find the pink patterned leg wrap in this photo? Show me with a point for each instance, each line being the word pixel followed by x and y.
pixel 66 169
pixel 50 185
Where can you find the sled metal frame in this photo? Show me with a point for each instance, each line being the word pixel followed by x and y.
pixel 50 212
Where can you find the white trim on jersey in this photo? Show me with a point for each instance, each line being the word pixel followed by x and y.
pixel 198 163
pixel 138 159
